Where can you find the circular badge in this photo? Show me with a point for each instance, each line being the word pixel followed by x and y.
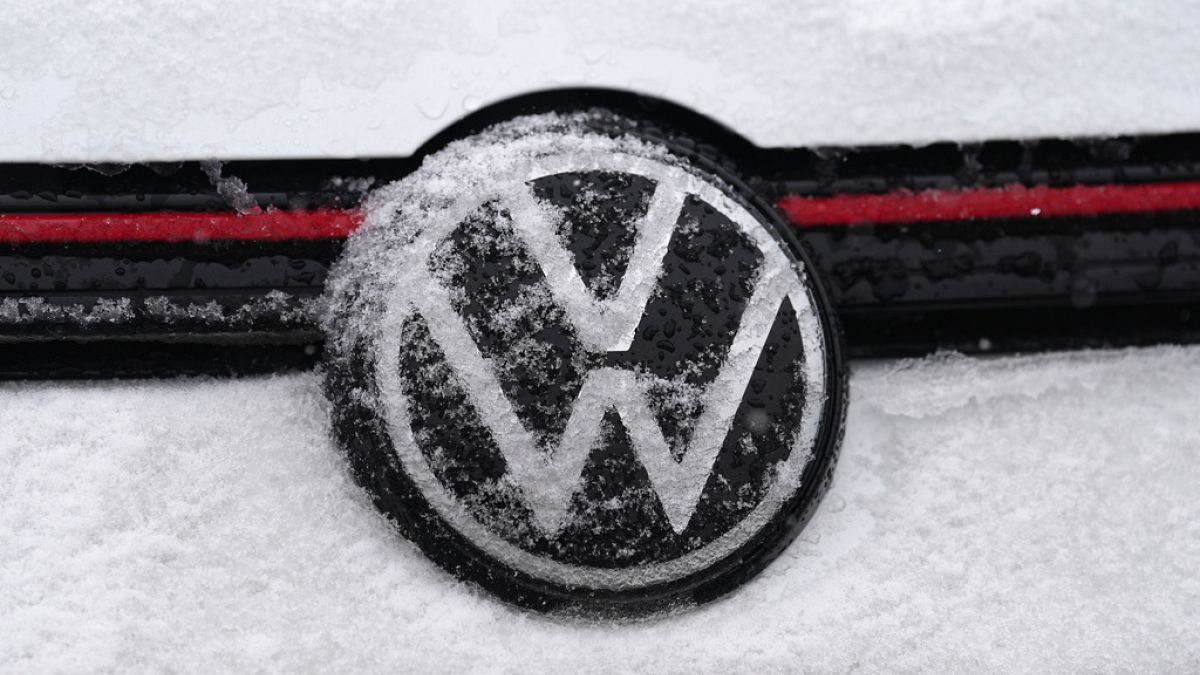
pixel 582 371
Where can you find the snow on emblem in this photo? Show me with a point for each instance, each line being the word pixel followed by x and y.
pixel 581 372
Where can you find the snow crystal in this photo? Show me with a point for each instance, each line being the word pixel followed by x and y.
pixel 275 304
pixel 231 188
pixel 1031 514
pixel 102 311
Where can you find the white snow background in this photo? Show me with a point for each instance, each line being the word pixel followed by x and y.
pixel 1019 514
pixel 1015 514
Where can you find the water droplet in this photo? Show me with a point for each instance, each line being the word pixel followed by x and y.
pixel 1083 293
pixel 432 110
pixel 758 421
pixel 593 55
pixel 471 103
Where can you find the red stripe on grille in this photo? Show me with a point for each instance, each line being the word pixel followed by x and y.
pixel 1007 202
pixel 901 207
pixel 175 226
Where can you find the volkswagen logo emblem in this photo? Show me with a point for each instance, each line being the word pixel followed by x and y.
pixel 584 368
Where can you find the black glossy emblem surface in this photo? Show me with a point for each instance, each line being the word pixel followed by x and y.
pixel 602 383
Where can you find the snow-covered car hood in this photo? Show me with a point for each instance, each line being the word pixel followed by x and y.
pixel 128 81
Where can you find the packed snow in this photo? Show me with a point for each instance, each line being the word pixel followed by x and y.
pixel 1015 514
pixel 133 80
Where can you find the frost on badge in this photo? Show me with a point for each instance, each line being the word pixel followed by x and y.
pixel 593 363
pixel 615 513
